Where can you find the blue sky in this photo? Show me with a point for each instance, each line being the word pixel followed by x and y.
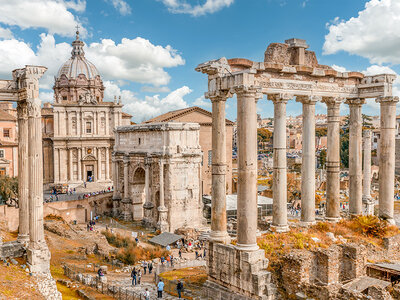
pixel 146 50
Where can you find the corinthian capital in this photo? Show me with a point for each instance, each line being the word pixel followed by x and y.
pixel 388 100
pixel 332 101
pixel 355 102
pixel 219 95
pixel 249 91
pixel 34 107
pixel 308 99
pixel 282 97
pixel 22 110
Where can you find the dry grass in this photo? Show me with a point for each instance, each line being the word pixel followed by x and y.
pixel 196 275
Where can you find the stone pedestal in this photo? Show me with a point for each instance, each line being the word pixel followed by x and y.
pixel 279 187
pixel 162 223
pixel 38 259
pixel 333 160
pixel 126 214
pixel 387 157
pixel 234 274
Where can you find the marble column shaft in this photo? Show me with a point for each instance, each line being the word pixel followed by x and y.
pixel 279 185
pixel 247 169
pixel 126 180
pixel 79 164
pixel 218 192
pixel 107 175
pixel 333 159
pixel 308 159
pixel 99 164
pixel 70 164
pixel 23 172
pixel 355 156
pixel 387 157
pixel 367 166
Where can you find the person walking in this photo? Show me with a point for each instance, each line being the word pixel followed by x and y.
pixel 180 253
pixel 179 288
pixel 160 288
pixel 133 275
pixel 150 267
pixel 144 264
pixel 146 294
pixel 139 276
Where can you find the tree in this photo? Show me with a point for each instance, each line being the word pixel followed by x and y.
pixel 263 136
pixel 321 131
pixel 322 158
pixel 8 188
pixel 344 144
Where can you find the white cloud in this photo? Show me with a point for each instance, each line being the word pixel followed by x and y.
pixel 372 34
pixel 46 96
pixel 183 7
pixel 202 102
pixel 121 5
pixel 155 89
pixel 144 109
pixel 339 68
pixel 5 33
pixel 135 60
pixel 52 15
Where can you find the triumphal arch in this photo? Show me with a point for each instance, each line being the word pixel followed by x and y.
pixel 24 89
pixel 288 71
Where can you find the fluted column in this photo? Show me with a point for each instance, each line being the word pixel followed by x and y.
pixel 70 165
pixel 333 159
pixel 367 200
pixel 387 157
pixel 23 173
pixel 162 210
pixel 308 160
pixel 116 194
pixel 127 202
pixel 355 156
pixel 148 205
pixel 247 169
pixel 218 191
pixel 279 185
pixel 56 165
pixel 37 253
pixel 79 164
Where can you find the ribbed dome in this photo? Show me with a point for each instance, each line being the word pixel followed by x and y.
pixel 78 64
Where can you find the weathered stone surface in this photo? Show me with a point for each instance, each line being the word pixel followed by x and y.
pixel 11 249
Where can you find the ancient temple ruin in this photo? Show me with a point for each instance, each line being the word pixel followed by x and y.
pixel 157 175
pixel 288 71
pixel 24 89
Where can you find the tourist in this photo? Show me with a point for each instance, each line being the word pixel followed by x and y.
pixel 204 253
pixel 139 276
pixel 160 288
pixel 172 260
pixel 100 273
pixel 146 294
pixel 150 267
pixel 168 260
pixel 197 254
pixel 180 253
pixel 144 264
pixel 168 248
pixel 162 260
pixel 179 288
pixel 133 275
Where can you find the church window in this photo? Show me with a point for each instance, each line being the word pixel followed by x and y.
pixel 64 98
pixel 88 127
pixel 1 153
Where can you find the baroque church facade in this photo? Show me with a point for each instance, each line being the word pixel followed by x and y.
pixel 78 128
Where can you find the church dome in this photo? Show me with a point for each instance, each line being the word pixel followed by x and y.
pixel 78 64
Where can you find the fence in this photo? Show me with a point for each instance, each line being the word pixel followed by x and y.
pixel 102 287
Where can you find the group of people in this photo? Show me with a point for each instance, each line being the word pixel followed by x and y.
pixel 90 225
pixel 87 195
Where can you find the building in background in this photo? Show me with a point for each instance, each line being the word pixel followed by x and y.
pixel 78 128
pixel 204 118
pixel 8 140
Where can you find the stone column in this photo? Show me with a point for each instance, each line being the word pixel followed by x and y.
pixel 148 205
pixel 218 191
pixel 107 124
pixel 247 169
pixel 355 156
pixel 367 200
pixel 126 202
pixel 79 164
pixel 23 173
pixel 37 253
pixel 56 165
pixel 308 160
pixel 116 195
pixel 387 157
pixel 107 175
pixel 70 164
pixel 333 159
pixel 279 187
pixel 98 164
pixel 162 210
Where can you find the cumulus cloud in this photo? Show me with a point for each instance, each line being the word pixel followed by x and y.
pixel 150 106
pixel 53 15
pixel 154 89
pixel 5 33
pixel 208 6
pixel 372 34
pixel 121 5
pixel 202 102
pixel 135 60
pixel 339 68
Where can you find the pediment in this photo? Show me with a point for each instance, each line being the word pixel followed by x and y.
pixel 89 157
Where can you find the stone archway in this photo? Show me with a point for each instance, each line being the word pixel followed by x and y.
pixel 137 192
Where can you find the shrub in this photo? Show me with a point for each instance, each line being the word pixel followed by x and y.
pixel 118 241
pixel 371 226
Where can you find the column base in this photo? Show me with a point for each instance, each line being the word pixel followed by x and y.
pixel 38 258
pixel 307 223
pixel 220 237
pixel 332 219
pixel 248 248
pixel 23 239
pixel 279 228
